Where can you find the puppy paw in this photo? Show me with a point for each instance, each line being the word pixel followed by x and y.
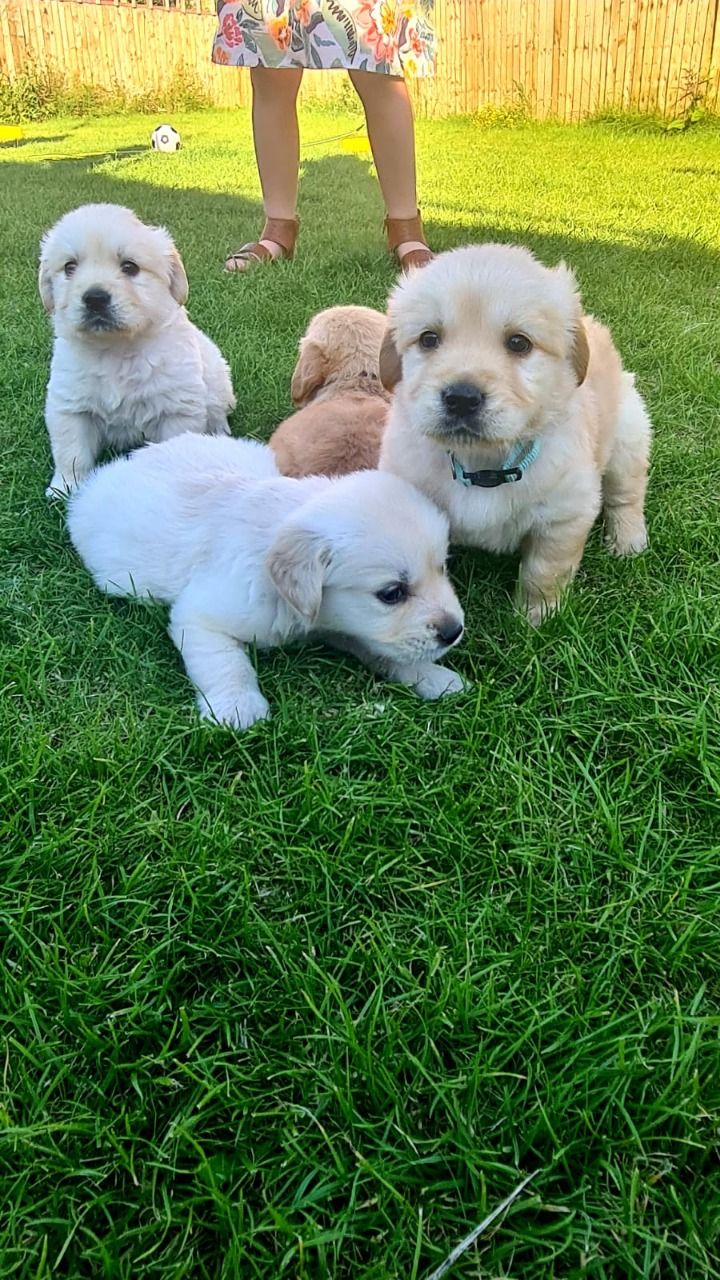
pixel 628 540
pixel 58 487
pixel 538 613
pixel 218 427
pixel 237 712
pixel 437 682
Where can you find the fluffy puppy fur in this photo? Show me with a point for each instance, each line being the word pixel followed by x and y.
pixel 127 366
pixel 341 401
pixel 245 556
pixel 487 349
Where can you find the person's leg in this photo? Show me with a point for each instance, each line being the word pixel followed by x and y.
pixel 277 148
pixel 389 116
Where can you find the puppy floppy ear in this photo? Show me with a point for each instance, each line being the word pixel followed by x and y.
pixel 45 285
pixel 579 347
pixel 310 372
pixel 390 363
pixel 297 565
pixel 179 287
pixel 580 351
pixel 167 254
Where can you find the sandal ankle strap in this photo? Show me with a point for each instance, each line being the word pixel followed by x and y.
pixel 403 230
pixel 282 231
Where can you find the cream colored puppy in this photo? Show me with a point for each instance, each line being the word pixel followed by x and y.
pixel 342 404
pixel 513 412
pixel 245 556
pixel 128 366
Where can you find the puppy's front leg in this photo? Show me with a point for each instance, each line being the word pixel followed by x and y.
pixel 428 680
pixel 74 443
pixel 217 423
pixel 169 428
pixel 550 559
pixel 220 670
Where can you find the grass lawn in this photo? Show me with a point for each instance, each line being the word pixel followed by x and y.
pixel 312 1000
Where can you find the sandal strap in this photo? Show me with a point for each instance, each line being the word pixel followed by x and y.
pixel 401 230
pixel 415 258
pixel 282 231
pixel 253 252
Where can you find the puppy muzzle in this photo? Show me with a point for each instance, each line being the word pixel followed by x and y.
pixel 98 314
pixel 449 630
pixel 462 410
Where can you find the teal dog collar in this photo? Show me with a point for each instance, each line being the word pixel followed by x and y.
pixel 514 469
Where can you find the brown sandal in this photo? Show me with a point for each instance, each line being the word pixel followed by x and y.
pixel 403 231
pixel 280 231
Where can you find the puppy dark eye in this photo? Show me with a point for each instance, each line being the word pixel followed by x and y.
pixel 70 268
pixel 429 339
pixel 518 344
pixel 129 268
pixel 393 593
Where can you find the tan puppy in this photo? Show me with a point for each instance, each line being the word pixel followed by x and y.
pixel 513 412
pixel 341 401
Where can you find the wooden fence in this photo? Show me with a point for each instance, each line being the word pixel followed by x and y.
pixel 563 58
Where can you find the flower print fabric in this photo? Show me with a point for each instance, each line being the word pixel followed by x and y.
pixel 394 37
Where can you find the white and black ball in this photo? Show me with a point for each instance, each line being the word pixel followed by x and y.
pixel 165 138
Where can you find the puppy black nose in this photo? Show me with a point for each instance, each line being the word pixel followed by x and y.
pixel 462 399
pixel 96 299
pixel 449 630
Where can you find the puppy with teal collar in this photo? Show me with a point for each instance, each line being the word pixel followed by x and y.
pixel 513 412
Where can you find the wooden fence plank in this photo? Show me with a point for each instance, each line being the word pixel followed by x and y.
pixel 571 64
pixel 645 88
pixel 545 55
pixel 713 96
pixel 705 49
pixel 666 60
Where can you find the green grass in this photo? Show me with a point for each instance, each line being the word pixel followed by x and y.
pixel 311 1000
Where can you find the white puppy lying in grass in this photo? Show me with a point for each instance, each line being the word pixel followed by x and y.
pixel 128 365
pixel 243 555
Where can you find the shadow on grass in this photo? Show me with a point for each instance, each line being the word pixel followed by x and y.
pixel 14 144
pixel 340 209
pixel 638 288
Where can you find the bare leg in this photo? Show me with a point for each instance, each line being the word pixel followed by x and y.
pixel 277 144
pixel 220 670
pixel 549 563
pixel 389 116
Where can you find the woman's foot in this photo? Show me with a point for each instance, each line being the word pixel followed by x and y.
pixel 406 239
pixel 277 240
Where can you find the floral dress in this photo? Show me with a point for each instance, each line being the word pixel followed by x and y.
pixel 394 37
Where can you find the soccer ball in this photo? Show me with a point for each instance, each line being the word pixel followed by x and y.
pixel 165 138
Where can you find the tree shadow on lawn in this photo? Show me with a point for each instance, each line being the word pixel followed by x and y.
pixel 642 290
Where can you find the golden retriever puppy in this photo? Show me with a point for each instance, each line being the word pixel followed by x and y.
pixel 128 366
pixel 248 558
pixel 513 412
pixel 342 404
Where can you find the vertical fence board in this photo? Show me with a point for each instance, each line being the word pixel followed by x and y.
pixel 714 68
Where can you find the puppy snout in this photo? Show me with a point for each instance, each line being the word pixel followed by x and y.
pixel 449 629
pixel 462 399
pixel 96 300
